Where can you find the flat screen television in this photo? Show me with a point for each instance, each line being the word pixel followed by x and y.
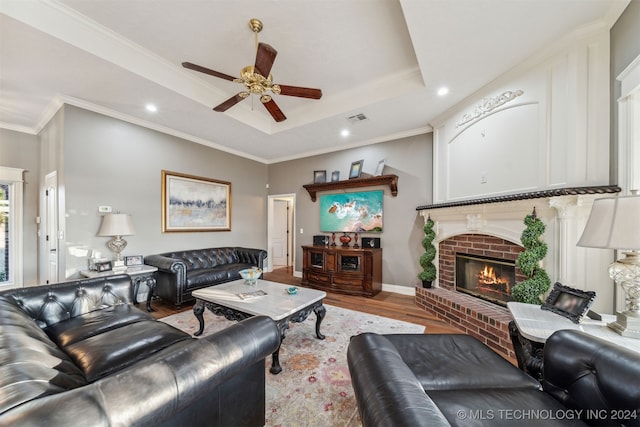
pixel 359 212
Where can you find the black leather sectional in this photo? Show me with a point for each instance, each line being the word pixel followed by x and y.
pixel 455 380
pixel 182 272
pixel 80 354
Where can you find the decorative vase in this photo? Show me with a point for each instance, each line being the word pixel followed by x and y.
pixel 345 239
pixel 355 241
pixel 426 284
pixel 333 239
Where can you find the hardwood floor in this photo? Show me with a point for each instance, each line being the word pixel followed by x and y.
pixel 387 304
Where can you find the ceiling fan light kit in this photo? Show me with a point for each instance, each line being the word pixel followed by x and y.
pixel 257 79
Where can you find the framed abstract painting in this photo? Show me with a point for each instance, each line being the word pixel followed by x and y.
pixel 193 203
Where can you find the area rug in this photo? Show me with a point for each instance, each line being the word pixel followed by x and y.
pixel 314 387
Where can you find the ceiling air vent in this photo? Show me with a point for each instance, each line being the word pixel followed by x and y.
pixel 357 118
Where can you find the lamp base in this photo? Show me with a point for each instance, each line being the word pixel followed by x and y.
pixel 625 325
pixel 119 267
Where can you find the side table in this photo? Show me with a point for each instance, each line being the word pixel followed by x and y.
pixel 532 326
pixel 140 274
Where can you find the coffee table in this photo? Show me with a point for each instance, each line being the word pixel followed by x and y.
pixel 278 304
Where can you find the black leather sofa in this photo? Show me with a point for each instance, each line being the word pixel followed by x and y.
pixel 79 354
pixel 455 380
pixel 182 272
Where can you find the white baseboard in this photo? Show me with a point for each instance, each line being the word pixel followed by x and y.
pixel 404 290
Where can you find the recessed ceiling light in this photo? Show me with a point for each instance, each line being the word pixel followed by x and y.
pixel 443 91
pixel 151 108
pixel 345 132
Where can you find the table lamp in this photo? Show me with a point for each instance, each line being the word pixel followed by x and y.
pixel 614 223
pixel 117 225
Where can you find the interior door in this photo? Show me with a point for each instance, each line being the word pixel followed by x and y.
pixel 279 240
pixel 51 228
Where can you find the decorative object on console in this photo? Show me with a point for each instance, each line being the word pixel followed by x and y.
pixel 321 240
pixel 117 225
pixel 333 239
pixel 319 177
pixel 356 169
pixel 360 212
pixel 355 241
pixel 568 302
pixel 345 239
pixel 370 242
pixel 537 282
pixel 193 203
pixel 613 224
pixel 257 79
pixel 335 176
pixel 428 273
pixel 133 260
pixel 103 266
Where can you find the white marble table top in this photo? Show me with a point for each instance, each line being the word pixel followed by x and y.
pixel 537 325
pixel 131 271
pixel 277 304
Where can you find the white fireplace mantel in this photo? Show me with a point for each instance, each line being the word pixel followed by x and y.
pixel 564 217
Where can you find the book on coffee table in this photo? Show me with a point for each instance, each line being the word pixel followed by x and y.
pixel 253 294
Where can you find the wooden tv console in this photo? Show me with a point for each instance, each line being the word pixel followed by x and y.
pixel 342 269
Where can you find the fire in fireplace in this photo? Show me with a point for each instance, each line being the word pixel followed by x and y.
pixel 487 278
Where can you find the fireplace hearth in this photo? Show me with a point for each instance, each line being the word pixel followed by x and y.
pixel 484 277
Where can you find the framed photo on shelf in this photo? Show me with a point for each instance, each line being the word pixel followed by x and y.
pixel 335 176
pixel 103 266
pixel 133 260
pixel 319 177
pixel 379 168
pixel 568 302
pixel 356 169
pixel 193 203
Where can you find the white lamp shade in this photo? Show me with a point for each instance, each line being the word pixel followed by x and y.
pixel 614 223
pixel 116 225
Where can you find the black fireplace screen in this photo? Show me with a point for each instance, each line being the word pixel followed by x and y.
pixel 487 278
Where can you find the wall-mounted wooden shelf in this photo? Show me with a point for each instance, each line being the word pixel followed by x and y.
pixel 390 180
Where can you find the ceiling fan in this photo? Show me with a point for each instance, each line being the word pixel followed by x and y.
pixel 257 79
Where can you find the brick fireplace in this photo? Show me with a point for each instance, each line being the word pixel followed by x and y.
pixel 492 228
pixel 482 245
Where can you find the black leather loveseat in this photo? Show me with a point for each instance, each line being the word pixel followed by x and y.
pixel 182 272
pixel 79 354
pixel 455 380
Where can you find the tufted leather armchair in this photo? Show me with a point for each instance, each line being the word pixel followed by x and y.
pixel 79 353
pixel 455 380
pixel 182 272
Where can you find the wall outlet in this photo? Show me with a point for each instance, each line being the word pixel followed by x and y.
pixel 483 178
pixel 104 209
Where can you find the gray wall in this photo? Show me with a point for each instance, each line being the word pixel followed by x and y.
pixel 625 47
pixel 409 158
pixel 21 150
pixel 118 164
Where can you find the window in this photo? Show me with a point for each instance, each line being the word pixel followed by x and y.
pixel 10 227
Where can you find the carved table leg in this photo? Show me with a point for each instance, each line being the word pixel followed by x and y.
pixel 151 284
pixel 275 357
pixel 136 286
pixel 320 312
pixel 198 311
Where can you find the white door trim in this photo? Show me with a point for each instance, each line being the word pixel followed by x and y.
pixel 291 198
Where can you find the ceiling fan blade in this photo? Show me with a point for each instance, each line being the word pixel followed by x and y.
pixel 301 92
pixel 209 71
pixel 275 111
pixel 228 103
pixel 264 59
